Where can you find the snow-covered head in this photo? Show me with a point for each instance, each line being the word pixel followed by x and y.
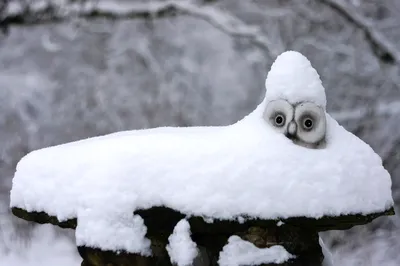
pixel 294 79
pixel 295 100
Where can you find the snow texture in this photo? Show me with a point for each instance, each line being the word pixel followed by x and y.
pixel 181 248
pixel 120 231
pixel 240 252
pixel 204 171
pixel 293 78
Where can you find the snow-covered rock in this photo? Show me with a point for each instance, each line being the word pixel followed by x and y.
pixel 242 170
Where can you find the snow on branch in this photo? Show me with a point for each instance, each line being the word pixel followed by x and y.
pixel 381 46
pixel 49 12
pixel 382 108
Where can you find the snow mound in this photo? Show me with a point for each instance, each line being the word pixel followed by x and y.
pixel 119 231
pixel 240 252
pixel 293 78
pixel 181 248
pixel 242 170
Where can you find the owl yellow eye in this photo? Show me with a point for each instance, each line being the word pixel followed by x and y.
pixel 279 120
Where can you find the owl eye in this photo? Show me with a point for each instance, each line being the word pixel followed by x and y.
pixel 277 113
pixel 311 121
pixel 279 120
pixel 308 123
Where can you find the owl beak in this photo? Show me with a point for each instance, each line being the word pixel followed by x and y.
pixel 291 130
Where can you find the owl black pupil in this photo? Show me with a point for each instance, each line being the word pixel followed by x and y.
pixel 308 123
pixel 279 119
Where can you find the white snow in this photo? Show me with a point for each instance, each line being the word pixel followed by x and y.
pixel 181 248
pixel 127 231
pixel 293 78
pixel 239 252
pixel 280 223
pixel 245 169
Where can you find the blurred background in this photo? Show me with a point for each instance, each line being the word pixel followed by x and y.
pixel 72 69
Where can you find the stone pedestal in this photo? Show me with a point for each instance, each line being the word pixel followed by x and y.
pixel 299 236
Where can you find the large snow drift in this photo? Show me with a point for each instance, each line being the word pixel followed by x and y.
pixel 245 169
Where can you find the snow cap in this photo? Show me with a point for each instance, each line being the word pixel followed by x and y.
pixel 293 78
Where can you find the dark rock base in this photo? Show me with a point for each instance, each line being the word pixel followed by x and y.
pixel 302 243
pixel 299 236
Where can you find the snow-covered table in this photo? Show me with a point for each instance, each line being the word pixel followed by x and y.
pixel 132 194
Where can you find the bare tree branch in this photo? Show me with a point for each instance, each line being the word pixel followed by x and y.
pixel 49 12
pixel 381 46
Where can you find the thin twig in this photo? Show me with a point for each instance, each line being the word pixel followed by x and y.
pixel 50 13
pixel 381 108
pixel 381 46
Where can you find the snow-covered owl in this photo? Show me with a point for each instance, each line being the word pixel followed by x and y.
pixel 296 101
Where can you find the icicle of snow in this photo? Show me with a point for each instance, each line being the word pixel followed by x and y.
pixel 181 248
pixel 240 252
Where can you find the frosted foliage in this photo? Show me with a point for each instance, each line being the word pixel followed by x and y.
pixel 238 252
pixel 380 248
pixel 181 248
pixel 50 246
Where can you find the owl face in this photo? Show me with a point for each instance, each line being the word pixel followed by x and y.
pixel 304 123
